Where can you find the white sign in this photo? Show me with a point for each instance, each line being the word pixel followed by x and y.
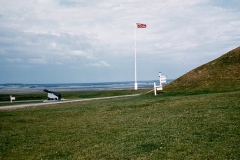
pixel 162 79
pixel 12 98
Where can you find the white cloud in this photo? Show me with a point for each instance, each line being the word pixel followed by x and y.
pixel 74 33
pixel 14 60
pixel 37 61
pixel 100 64
pixel 80 53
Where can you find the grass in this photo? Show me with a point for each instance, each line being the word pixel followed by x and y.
pixel 201 126
pixel 219 75
pixel 24 97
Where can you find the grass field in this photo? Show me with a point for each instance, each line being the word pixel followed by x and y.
pixel 26 97
pixel 204 126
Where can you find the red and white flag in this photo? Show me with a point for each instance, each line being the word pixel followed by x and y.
pixel 140 25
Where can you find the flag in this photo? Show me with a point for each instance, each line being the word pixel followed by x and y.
pixel 140 25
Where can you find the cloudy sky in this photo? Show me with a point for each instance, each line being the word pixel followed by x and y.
pixel 77 41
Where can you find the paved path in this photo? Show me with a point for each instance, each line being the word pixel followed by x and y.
pixel 57 102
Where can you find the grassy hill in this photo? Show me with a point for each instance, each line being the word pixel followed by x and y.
pixel 221 74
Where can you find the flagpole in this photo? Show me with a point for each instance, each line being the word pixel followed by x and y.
pixel 135 84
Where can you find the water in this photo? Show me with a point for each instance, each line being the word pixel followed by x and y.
pixel 19 87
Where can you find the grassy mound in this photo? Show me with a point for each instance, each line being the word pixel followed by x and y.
pixel 219 75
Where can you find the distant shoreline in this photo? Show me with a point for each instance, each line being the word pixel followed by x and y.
pixel 14 88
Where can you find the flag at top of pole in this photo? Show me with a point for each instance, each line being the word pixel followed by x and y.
pixel 139 25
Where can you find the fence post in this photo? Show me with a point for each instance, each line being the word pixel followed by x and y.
pixel 155 88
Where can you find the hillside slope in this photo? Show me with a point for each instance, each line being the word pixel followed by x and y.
pixel 221 74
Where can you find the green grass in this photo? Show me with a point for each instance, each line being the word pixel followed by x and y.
pixel 203 126
pixel 24 97
pixel 106 93
pixel 219 75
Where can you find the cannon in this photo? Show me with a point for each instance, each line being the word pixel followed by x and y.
pixel 52 95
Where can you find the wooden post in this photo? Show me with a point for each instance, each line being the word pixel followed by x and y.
pixel 155 88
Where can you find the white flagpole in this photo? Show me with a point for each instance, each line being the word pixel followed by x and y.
pixel 135 84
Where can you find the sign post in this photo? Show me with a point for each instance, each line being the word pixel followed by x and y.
pixel 162 79
pixel 155 88
pixel 12 98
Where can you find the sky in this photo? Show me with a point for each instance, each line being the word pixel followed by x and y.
pixel 79 41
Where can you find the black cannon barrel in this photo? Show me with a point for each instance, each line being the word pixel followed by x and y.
pixel 55 93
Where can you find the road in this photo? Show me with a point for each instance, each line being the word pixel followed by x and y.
pixel 58 102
